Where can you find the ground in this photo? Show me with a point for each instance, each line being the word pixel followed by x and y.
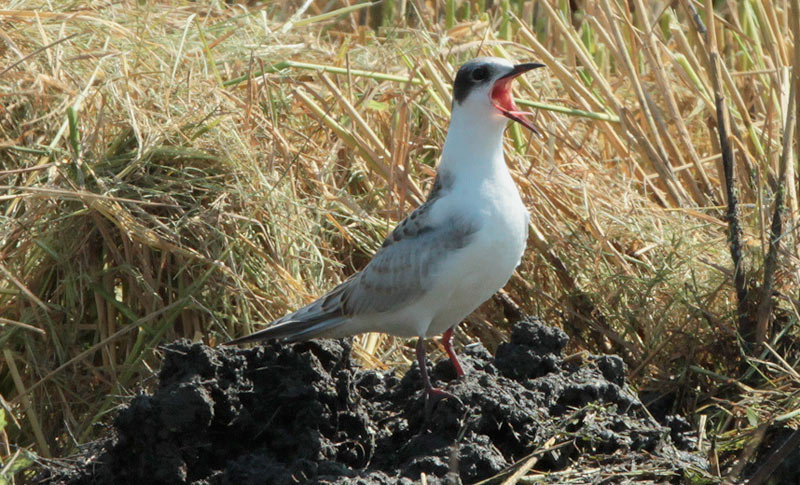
pixel 299 413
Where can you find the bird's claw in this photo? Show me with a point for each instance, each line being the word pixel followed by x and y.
pixel 433 395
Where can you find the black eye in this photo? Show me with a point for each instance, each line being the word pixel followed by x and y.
pixel 480 74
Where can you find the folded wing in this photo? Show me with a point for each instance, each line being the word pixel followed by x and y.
pixel 402 270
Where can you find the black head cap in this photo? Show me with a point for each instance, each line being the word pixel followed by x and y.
pixel 474 73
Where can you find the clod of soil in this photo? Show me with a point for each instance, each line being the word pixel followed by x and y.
pixel 304 413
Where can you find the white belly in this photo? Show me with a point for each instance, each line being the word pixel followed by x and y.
pixel 478 271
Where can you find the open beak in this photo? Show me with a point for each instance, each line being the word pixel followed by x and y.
pixel 501 95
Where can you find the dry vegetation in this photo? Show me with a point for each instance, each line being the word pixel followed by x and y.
pixel 181 169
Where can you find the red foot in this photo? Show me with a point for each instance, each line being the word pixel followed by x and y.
pixel 433 394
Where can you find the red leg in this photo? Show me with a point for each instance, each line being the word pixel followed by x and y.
pixel 434 394
pixel 448 346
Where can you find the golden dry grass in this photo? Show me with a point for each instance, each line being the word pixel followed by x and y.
pixel 174 169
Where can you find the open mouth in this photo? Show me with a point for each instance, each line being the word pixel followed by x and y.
pixel 502 100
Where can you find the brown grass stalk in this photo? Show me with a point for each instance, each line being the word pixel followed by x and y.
pixel 728 162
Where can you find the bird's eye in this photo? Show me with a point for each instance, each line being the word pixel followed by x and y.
pixel 480 74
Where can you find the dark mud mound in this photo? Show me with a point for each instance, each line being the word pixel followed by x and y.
pixel 303 413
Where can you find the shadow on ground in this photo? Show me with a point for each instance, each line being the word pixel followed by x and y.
pixel 303 413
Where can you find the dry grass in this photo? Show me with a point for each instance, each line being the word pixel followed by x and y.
pixel 194 170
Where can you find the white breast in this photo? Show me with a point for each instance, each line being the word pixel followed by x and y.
pixel 484 266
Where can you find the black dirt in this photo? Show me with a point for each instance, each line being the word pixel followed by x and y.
pixel 304 413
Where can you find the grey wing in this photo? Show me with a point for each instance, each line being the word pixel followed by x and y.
pixel 399 273
pixel 402 270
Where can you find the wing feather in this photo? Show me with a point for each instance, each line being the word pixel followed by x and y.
pixel 401 271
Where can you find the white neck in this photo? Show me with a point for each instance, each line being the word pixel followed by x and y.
pixel 474 146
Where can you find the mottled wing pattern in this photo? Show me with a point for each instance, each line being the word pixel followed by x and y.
pixel 402 269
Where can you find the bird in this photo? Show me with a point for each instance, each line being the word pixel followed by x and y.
pixel 450 254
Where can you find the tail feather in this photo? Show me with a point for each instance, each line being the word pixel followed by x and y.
pixel 316 319
pixel 291 330
pixel 321 329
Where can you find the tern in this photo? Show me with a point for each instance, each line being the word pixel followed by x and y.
pixel 450 254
